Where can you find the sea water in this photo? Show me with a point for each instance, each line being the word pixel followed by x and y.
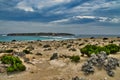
pixel 4 37
pixel 33 38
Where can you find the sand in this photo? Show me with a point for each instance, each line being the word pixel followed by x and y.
pixel 40 67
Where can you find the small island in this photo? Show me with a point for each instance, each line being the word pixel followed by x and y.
pixel 40 34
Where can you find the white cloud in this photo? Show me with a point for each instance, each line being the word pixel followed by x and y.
pixel 90 6
pixel 103 19
pixel 60 21
pixel 60 1
pixel 83 17
pixel 115 20
pixel 96 18
pixel 24 6
pixel 39 4
pixel 50 3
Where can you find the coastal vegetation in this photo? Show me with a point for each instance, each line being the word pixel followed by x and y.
pixel 14 63
pixel 75 58
pixel 93 49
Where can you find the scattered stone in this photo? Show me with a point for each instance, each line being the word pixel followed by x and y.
pixel 105 38
pixel 111 41
pixel 20 54
pixel 88 69
pixel 54 56
pixel 92 37
pixel 100 61
pixel 72 49
pixel 110 73
pixel 47 49
pixel 81 44
pixel 13 40
pixel 64 56
pixel 68 46
pixel 40 44
pixel 86 40
pixel 77 78
pixel 64 44
pixel 46 46
pixel 33 57
pixel 39 54
pixel 26 59
pixel 31 63
pixel 31 71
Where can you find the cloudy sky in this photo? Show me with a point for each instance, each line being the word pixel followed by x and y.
pixel 70 16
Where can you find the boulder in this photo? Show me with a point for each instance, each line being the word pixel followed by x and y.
pixel 39 54
pixel 54 56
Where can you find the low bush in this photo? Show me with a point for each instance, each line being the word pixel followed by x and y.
pixel 10 59
pixel 93 49
pixel 10 69
pixel 90 49
pixel 113 48
pixel 75 58
pixel 20 67
pixel 15 63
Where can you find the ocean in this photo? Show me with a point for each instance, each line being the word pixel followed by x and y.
pixel 5 38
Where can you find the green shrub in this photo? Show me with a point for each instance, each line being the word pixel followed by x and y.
pixel 9 59
pixel 93 49
pixel 105 49
pixel 75 58
pixel 20 67
pixel 90 49
pixel 10 69
pixel 15 63
pixel 26 51
pixel 113 48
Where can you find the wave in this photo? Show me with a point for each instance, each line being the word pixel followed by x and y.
pixel 3 35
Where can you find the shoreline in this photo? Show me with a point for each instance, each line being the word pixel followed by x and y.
pixel 62 39
pixel 5 38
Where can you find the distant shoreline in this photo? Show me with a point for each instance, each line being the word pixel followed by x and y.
pixel 40 34
pixel 50 36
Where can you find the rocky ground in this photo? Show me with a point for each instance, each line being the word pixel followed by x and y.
pixel 42 66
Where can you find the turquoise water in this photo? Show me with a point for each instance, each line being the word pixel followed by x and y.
pixel 31 38
pixel 48 38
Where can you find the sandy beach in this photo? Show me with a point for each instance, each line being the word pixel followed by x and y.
pixel 40 67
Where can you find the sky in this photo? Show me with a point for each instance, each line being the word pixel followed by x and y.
pixel 66 16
